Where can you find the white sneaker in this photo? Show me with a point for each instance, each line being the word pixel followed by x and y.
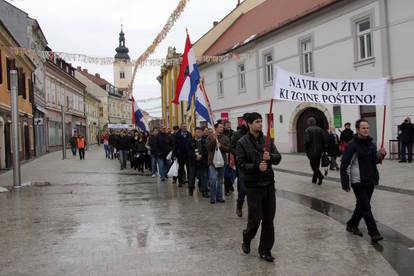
pixel 154 175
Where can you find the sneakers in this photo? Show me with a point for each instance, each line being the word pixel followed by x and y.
pixel 220 201
pixel 239 212
pixel 154 175
pixel 354 230
pixel 376 238
pixel 246 247
pixel 267 257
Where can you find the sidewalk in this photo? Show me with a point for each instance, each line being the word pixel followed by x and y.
pixel 51 169
pixel 392 174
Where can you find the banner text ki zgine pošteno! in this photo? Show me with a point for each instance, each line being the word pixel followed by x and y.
pixel 292 87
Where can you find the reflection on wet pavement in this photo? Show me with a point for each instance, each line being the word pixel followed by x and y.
pixel 395 248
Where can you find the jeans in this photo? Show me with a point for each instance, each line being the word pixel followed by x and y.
pixel 199 172
pixel 74 149
pixel 363 195
pixel 153 164
pixel 82 154
pixel 111 151
pixel 241 189
pixel 123 156
pixel 162 168
pixel 406 149
pixel 216 182
pixel 228 181
pixel 333 164
pixel 106 148
pixel 261 204
pixel 315 164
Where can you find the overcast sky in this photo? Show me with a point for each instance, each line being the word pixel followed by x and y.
pixel 92 27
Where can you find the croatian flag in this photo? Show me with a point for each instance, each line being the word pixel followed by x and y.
pixel 137 117
pixel 202 105
pixel 189 76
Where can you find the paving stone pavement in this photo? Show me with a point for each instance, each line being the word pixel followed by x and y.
pixel 93 219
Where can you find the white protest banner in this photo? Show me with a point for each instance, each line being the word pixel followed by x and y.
pixel 293 87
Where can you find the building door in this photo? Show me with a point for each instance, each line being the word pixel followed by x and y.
pixel 369 113
pixel 302 124
pixel 26 143
pixel 7 145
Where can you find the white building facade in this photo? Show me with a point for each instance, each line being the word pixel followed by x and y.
pixel 366 39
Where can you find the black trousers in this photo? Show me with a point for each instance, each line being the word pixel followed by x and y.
pixel 261 204
pixel 406 149
pixel 82 153
pixel 315 164
pixel 181 171
pixel 363 195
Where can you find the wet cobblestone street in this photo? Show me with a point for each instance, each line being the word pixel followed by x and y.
pixel 96 220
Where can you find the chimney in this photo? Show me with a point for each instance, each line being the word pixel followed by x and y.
pixel 85 70
pixel 238 3
pixel 97 75
pixel 79 68
pixel 215 23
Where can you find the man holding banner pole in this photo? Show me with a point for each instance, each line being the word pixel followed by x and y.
pixel 255 160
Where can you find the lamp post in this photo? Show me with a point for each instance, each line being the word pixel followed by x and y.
pixel 15 128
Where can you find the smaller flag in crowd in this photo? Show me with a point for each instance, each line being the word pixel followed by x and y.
pixel 202 105
pixel 137 116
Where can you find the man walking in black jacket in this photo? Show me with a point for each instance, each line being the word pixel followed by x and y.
pixel 163 148
pixel 183 151
pixel 241 189
pixel 359 170
pixel 316 143
pixel 255 164
pixel 199 164
pixel 123 147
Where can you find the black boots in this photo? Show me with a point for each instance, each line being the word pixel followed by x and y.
pixel 239 212
pixel 246 247
pixel 354 230
pixel 267 257
pixel 376 238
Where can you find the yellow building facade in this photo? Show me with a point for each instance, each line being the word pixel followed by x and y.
pixel 10 60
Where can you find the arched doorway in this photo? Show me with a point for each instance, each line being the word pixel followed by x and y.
pixel 302 124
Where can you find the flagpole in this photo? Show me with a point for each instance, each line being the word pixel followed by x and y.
pixel 383 130
pixel 268 127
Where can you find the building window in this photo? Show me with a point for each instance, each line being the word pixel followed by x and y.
pixel 242 77
pixel 268 69
pixel 122 75
pixel 364 39
pixel 220 88
pixel 10 63
pixel 306 56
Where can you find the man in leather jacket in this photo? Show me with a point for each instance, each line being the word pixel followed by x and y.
pixel 255 160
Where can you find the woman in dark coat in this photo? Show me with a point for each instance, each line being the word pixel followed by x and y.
pixel 333 148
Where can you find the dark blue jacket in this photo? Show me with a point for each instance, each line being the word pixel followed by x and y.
pixel 183 148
